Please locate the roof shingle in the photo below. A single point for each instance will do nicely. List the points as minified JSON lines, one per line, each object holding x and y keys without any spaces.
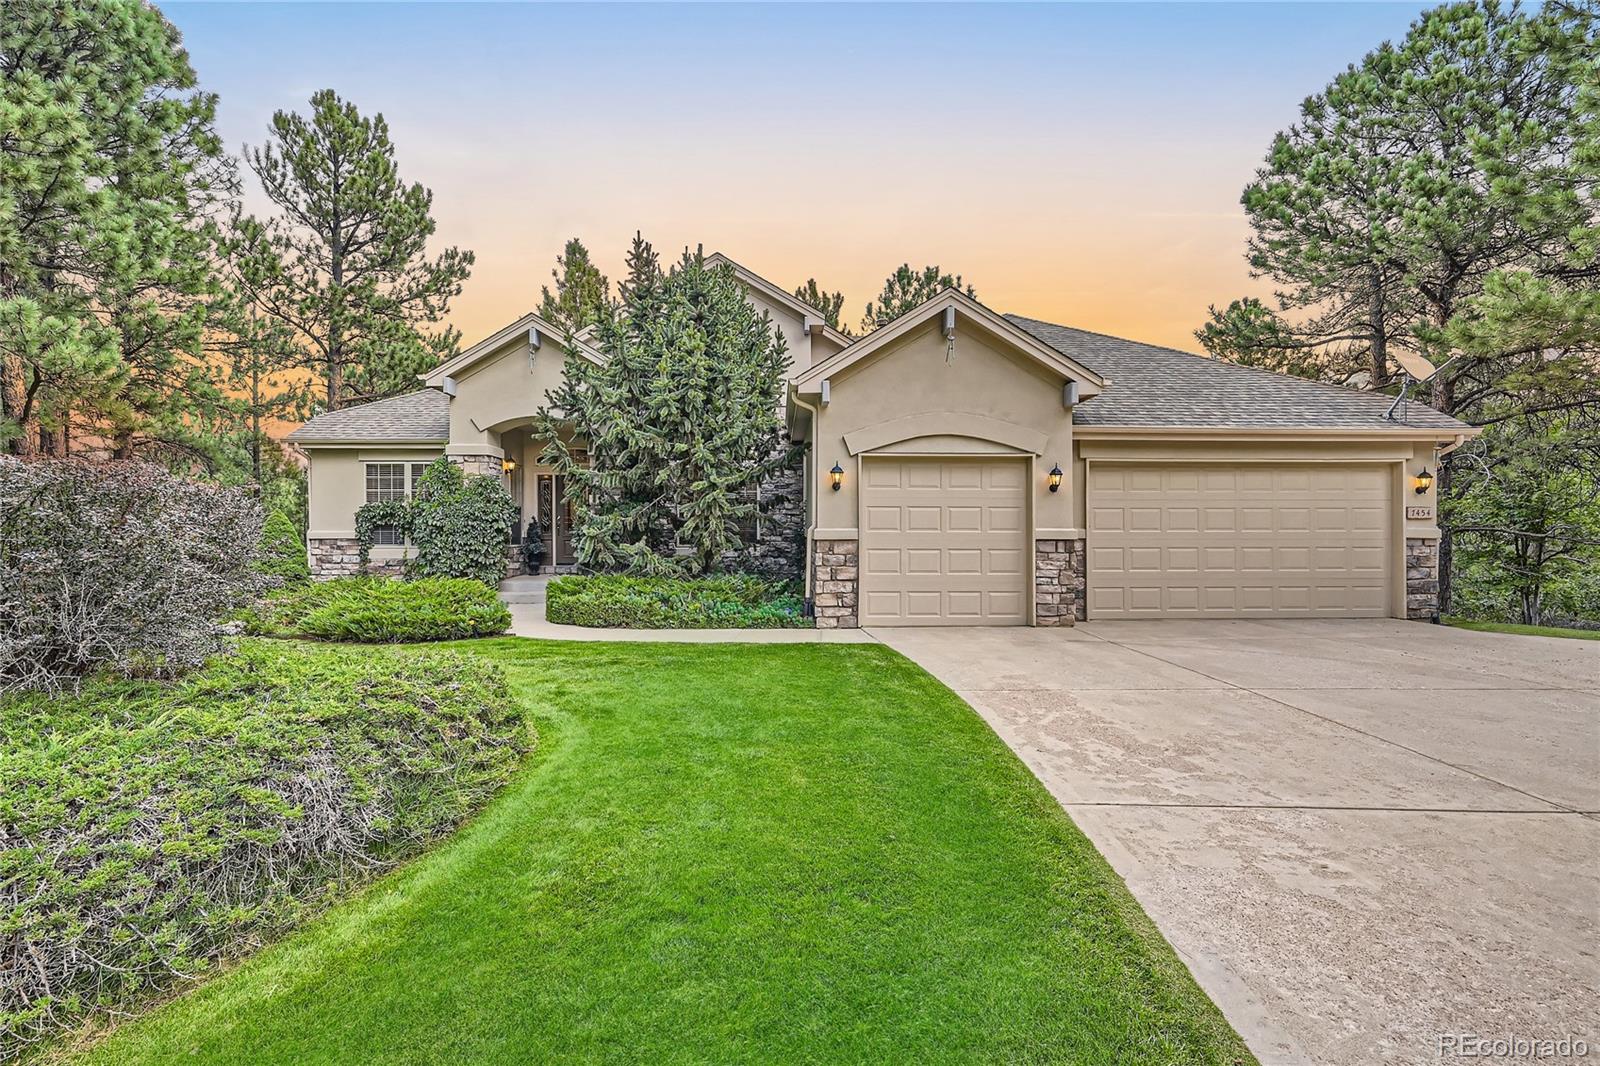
{"x":421,"y":416}
{"x":1154,"y":386}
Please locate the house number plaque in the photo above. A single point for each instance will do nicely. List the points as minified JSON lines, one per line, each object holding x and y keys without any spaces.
{"x":1419,"y":512}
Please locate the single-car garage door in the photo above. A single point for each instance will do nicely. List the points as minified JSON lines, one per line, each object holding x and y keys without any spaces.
{"x":1201,"y":540}
{"x":944,"y":542}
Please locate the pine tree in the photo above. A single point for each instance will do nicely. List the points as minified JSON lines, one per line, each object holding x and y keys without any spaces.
{"x":582,"y":293}
{"x":1437,"y":197}
{"x":906,"y":289}
{"x":829,"y":304}
{"x":345,"y":264}
{"x":95,"y":95}
{"x":680,"y":423}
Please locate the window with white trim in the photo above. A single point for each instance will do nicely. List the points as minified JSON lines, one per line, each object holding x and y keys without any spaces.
{"x":392,"y":481}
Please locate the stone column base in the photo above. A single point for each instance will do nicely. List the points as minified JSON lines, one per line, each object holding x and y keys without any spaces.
{"x":1059,"y":579}
{"x":834,"y":584}
{"x":1422,"y":579}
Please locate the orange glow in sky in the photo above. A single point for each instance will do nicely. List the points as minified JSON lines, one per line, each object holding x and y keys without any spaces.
{"x":1076,"y":163}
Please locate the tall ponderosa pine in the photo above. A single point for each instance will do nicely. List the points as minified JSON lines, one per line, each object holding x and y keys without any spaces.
{"x":345,"y":264}
{"x":830,"y":304}
{"x":1432,"y":198}
{"x":906,"y":289}
{"x":582,"y":293}
{"x":101,"y":135}
{"x":679,"y":425}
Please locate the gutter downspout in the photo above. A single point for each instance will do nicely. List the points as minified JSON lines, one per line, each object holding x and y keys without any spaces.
{"x":810,"y":491}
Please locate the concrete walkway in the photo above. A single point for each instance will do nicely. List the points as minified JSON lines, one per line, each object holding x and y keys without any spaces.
{"x":526,"y":596}
{"x":1362,"y":837}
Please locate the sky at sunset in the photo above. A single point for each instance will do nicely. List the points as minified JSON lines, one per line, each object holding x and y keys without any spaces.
{"x":1076,"y":163}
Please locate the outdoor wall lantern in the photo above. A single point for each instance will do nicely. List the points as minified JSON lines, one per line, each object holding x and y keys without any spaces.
{"x":1055,"y":478}
{"x":1423,"y":481}
{"x":836,"y":475}
{"x":508,"y":465}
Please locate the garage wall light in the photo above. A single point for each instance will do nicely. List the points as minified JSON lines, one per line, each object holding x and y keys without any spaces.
{"x":1423,"y":481}
{"x":836,"y":476}
{"x":1055,"y":478}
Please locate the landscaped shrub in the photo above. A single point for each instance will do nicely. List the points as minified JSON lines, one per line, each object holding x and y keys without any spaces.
{"x":731,"y":602}
{"x":375,"y":610}
{"x":460,"y":526}
{"x":116,"y":565}
{"x":283,"y":556}
{"x":149,"y":829}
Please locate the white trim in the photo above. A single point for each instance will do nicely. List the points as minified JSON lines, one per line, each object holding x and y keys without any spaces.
{"x":497,"y":340}
{"x":1058,"y":534}
{"x":945,"y":424}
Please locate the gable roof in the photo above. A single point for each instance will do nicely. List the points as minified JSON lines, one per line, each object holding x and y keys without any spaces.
{"x":1155,"y":387}
{"x":421,"y":417}
{"x":772,"y":292}
{"x":1042,"y":352}
{"x":491,"y":344}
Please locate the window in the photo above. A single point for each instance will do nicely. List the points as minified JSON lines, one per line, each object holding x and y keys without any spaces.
{"x":391,"y":481}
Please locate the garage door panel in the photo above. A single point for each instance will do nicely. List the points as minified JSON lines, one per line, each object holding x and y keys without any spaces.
{"x":1214,"y":540}
{"x":955,"y":552}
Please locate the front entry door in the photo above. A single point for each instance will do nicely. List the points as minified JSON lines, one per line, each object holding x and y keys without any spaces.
{"x":555,"y":518}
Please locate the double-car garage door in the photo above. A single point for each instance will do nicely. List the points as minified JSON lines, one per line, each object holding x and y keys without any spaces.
{"x":1189,"y":540}
{"x":948,"y":541}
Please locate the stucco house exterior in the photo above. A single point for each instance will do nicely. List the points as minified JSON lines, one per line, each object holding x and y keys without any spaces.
{"x":963,"y":467}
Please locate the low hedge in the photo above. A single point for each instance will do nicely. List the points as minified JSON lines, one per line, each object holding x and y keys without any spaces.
{"x":377,"y":610}
{"x":149,"y":830}
{"x":731,"y":602}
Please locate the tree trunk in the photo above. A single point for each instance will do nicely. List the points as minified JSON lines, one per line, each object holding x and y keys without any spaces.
{"x":14,"y":403}
{"x":1380,"y":332}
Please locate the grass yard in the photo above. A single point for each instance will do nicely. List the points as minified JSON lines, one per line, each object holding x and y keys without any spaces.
{"x":1525,"y":631}
{"x":699,"y":864}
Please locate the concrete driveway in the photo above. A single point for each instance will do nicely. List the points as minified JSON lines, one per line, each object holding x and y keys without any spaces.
{"x":1361,"y":836}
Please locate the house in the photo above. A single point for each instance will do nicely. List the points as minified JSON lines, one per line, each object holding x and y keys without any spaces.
{"x":964,"y":467}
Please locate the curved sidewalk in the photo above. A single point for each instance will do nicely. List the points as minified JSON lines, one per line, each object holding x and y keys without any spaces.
{"x":525,"y":597}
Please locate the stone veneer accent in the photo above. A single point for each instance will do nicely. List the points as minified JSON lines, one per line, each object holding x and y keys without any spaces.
{"x":834,"y":584}
{"x":1422,"y":578}
{"x":479,"y":464}
{"x":1059,"y":580}
{"x":341,"y":557}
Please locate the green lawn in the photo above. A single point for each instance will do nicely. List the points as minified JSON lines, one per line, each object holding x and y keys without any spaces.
{"x":1526,"y":631}
{"x":700,"y":864}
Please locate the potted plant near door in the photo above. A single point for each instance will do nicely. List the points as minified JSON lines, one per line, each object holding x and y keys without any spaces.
{"x":533,"y":546}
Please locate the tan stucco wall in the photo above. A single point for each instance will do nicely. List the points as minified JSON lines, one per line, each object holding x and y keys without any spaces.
{"x":793,"y":329}
{"x":337,"y":486}
{"x":501,"y":391}
{"x":984,"y":384}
